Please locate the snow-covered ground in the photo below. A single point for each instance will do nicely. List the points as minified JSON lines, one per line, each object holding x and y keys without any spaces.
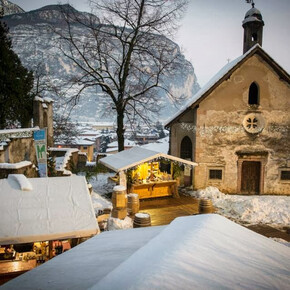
{"x":100,"y":183}
{"x":99,"y":202}
{"x":117,"y":224}
{"x":101,"y":187}
{"x":263,"y":209}
{"x":272,"y":210}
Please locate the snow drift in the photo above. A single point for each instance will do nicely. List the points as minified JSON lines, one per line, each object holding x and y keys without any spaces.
{"x":252,"y":209}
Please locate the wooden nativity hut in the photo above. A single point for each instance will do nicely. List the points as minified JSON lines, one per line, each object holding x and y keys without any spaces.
{"x":148,"y":173}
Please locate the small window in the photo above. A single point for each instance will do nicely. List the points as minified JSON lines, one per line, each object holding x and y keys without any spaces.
{"x":85,"y":147}
{"x":254,"y":37}
{"x":285,"y":175}
{"x":215,"y":174}
{"x":253,"y":94}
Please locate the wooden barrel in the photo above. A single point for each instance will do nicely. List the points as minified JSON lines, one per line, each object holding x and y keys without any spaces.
{"x":205,"y":206}
{"x":119,"y":197}
{"x":142,"y":220}
{"x":119,"y":213}
{"x":133,"y":203}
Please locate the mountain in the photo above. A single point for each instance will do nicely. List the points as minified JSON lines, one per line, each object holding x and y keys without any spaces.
{"x":35,"y":44}
{"x":10,"y":8}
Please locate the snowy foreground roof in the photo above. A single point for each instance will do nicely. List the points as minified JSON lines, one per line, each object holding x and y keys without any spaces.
{"x":130,"y":158}
{"x":196,"y":252}
{"x":40,"y":209}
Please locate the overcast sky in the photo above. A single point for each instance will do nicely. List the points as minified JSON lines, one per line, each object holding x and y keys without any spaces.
{"x":211,"y":32}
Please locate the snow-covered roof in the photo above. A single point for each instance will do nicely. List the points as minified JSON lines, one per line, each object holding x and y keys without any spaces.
{"x":161,"y":145}
{"x":147,"y":135}
{"x":103,"y":124}
{"x":15,"y":165}
{"x":48,"y":100}
{"x":227,"y":69}
{"x":132,"y":157}
{"x":18,"y":130}
{"x":112,"y":149}
{"x":45,"y":99}
{"x":82,"y":142}
{"x":52,"y":208}
{"x":194,"y":252}
{"x":78,"y":141}
{"x":91,"y":133}
{"x":71,"y":150}
{"x":126,"y":143}
{"x":253,"y":15}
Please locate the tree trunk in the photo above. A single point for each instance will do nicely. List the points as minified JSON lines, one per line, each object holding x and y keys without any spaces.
{"x":120,"y":130}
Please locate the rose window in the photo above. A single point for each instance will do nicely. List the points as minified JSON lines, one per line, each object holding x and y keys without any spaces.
{"x":253,"y":123}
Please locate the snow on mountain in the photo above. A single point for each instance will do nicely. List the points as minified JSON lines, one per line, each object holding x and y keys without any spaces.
{"x":36,"y":45}
{"x":10,"y":8}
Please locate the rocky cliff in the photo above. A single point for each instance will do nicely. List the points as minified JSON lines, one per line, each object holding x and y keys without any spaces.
{"x":35,"y":44}
{"x":10,"y":8}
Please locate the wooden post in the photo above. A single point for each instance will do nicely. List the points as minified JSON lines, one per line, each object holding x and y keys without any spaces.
{"x":123,"y":178}
{"x":50,"y":248}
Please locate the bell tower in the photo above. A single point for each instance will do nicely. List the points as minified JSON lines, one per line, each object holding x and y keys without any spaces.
{"x":253,"y":28}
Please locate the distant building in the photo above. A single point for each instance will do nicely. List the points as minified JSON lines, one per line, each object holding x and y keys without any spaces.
{"x":83,"y":145}
{"x":143,"y":138}
{"x":112,"y":147}
{"x":103,"y":126}
{"x":237,"y":126}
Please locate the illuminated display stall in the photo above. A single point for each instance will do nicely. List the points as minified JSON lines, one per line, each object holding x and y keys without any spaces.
{"x":147,"y":173}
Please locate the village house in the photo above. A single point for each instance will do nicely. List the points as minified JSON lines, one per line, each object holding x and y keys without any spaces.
{"x":112,"y":148}
{"x":17,"y":151}
{"x":83,"y":145}
{"x":17,"y":146}
{"x":237,"y":126}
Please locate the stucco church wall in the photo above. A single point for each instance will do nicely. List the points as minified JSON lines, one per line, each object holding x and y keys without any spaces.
{"x":181,"y":129}
{"x":220,"y":134}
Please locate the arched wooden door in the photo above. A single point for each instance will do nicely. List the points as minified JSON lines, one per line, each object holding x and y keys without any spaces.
{"x":186,"y":148}
{"x":186,"y":153}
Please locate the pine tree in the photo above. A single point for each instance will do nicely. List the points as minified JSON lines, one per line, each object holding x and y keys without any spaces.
{"x":51,"y":166}
{"x":16,"y":83}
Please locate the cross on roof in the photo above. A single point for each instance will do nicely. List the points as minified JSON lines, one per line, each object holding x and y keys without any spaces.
{"x":251,"y":1}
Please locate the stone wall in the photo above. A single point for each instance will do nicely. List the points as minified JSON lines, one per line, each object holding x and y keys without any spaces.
{"x":21,"y":149}
{"x":28,"y":171}
{"x":185,"y":127}
{"x":17,"y":150}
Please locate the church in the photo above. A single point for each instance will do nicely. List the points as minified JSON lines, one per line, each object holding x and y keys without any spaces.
{"x":237,"y":126}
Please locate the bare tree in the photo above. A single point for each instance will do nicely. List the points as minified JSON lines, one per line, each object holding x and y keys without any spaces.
{"x":124,"y":52}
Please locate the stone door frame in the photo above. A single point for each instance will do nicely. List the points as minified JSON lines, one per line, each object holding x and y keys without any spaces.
{"x":262,"y":158}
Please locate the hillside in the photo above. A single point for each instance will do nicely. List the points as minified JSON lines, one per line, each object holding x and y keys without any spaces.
{"x":10,"y":8}
{"x":36,"y":45}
